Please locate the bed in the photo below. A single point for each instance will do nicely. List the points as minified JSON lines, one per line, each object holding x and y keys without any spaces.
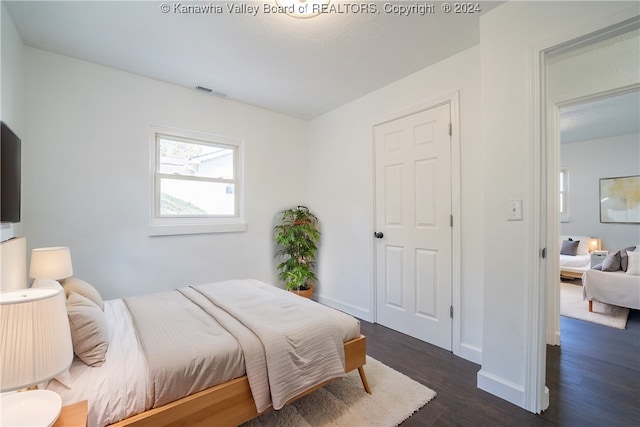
{"x":611,"y":287}
{"x":575,"y":258}
{"x":271,"y":347}
{"x":616,"y":280}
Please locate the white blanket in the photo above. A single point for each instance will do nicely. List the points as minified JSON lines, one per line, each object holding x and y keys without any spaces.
{"x":185,"y":349}
{"x":302,"y":340}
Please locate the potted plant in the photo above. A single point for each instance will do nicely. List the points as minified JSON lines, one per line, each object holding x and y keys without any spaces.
{"x":297,"y":236}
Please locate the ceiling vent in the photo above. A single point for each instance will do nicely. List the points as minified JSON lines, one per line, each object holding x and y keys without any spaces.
{"x":211,"y":91}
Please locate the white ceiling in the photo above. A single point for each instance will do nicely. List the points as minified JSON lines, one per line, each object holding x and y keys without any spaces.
{"x":300,"y":67}
{"x":600,"y":118}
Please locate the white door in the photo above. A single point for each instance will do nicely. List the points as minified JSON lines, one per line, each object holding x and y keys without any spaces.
{"x":413,"y":220}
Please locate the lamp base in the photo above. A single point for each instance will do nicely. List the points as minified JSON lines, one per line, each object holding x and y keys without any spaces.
{"x":30,"y":408}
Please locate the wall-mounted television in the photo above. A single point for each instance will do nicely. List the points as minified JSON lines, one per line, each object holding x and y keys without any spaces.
{"x":9,"y":176}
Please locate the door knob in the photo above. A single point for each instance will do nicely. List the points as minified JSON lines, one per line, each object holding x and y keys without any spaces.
{"x":378,"y":235}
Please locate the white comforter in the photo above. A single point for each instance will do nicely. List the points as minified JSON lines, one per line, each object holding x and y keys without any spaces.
{"x":302,"y":340}
{"x":282,"y":356}
{"x":612,"y":287}
{"x":117,"y":389}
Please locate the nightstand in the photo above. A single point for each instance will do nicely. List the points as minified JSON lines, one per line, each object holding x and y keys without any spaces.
{"x":597,"y":257}
{"x":74,"y":415}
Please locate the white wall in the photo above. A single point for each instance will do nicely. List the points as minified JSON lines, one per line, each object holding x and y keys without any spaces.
{"x":341,"y":189}
{"x":11,"y":90}
{"x":508,"y":34}
{"x":588,"y":161}
{"x":86,"y":176}
{"x":595,"y":68}
{"x":11,"y":72}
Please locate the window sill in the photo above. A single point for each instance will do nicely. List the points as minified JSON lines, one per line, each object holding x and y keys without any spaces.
{"x":183,"y":229}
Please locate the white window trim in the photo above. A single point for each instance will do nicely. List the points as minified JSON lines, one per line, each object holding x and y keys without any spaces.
{"x":564,"y":216}
{"x":170,"y":226}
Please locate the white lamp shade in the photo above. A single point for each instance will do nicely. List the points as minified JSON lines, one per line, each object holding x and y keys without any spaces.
{"x":35,"y":340}
{"x":51,"y":263}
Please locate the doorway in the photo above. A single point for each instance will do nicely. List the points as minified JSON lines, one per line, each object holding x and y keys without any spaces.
{"x":598,"y":78}
{"x":594,"y":108}
{"x":598,"y":139}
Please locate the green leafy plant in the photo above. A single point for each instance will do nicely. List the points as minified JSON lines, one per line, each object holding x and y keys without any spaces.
{"x":297,"y":236}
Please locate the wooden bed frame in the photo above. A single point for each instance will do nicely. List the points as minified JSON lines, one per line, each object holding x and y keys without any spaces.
{"x":571,"y":274}
{"x":231,"y":403}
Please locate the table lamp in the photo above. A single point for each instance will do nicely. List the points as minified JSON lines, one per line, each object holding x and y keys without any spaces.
{"x":51,"y":263}
{"x":35,"y":346}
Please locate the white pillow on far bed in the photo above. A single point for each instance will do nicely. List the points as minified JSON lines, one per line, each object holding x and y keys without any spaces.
{"x":633,"y":263}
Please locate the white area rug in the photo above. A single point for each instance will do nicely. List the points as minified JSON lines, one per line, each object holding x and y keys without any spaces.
{"x":345,"y":403}
{"x":572,"y":305}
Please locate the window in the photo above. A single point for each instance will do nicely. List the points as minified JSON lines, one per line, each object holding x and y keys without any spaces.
{"x":564,"y":194}
{"x":196,"y":183}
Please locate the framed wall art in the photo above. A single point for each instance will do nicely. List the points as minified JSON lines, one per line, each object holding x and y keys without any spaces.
{"x":620,"y":200}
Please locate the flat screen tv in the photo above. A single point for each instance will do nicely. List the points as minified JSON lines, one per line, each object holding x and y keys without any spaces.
{"x":9,"y":176}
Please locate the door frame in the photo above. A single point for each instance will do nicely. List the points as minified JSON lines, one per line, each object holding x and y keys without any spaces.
{"x":453,"y":99}
{"x":544,"y":216}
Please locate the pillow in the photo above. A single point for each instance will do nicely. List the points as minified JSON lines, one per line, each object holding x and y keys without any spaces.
{"x":611,"y":262}
{"x":634,"y":263}
{"x":89,"y":329}
{"x":583,"y":243}
{"x":597,"y":267}
{"x":623,"y":257}
{"x":73,"y":284}
{"x":583,"y":247}
{"x":569,"y":247}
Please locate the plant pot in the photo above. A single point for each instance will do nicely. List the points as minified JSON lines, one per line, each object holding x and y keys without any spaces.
{"x":307,"y":293}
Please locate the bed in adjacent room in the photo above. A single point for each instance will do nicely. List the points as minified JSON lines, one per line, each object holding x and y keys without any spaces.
{"x":616,"y":280}
{"x":213,"y":354}
{"x":574,"y":255}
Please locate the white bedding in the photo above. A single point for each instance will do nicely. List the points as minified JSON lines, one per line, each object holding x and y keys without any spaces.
{"x":612,"y":287}
{"x":302,"y":340}
{"x":121,"y":387}
{"x":117,"y":389}
{"x":576,"y":263}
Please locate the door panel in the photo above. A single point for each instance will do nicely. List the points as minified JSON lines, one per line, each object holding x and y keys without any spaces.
{"x":394,"y":267}
{"x":413,"y":209}
{"x":426,"y":280}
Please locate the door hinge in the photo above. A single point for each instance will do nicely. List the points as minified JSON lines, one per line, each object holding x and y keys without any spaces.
{"x":450,"y":129}
{"x":451,"y":220}
{"x":451,"y":311}
{"x":543,"y":253}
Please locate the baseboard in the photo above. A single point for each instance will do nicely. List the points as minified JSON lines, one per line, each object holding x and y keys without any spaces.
{"x":471,"y":353}
{"x":353,"y":310}
{"x":504,"y":389}
{"x":545,"y":403}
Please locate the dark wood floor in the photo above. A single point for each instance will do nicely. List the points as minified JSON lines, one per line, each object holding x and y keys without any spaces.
{"x":593,"y":378}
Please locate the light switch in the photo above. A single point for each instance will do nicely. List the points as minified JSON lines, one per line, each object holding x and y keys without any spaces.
{"x":514,"y":210}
